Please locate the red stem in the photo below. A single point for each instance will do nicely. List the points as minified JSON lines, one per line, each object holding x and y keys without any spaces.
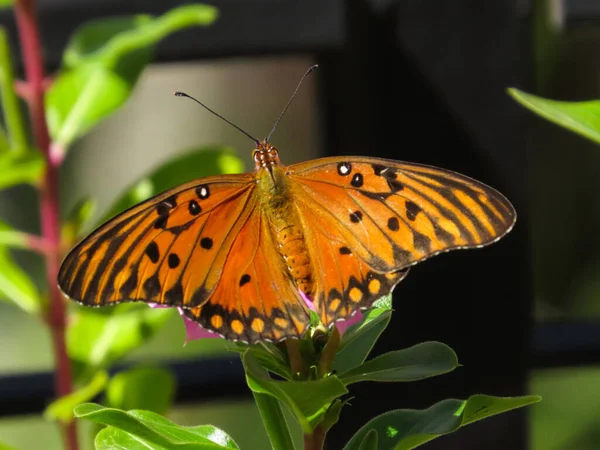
{"x":31,"y":51}
{"x":316,"y":440}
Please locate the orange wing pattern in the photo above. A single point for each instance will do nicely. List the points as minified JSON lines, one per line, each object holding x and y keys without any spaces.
{"x":165,"y":250}
{"x":255,"y":300}
{"x":376,"y":217}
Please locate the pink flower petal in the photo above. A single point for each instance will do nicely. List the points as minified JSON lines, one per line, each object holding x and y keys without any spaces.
{"x":193,"y":330}
{"x":342,"y":325}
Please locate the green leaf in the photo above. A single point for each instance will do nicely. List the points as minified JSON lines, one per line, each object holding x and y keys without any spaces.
{"x":405,"y":429}
{"x":77,"y":220}
{"x":274,"y":421}
{"x":17,"y":168}
{"x":97,"y":338}
{"x":359,"y":339}
{"x":187,"y":167}
{"x":111,"y":438}
{"x":15,"y":284}
{"x":6,"y":447}
{"x":6,"y":4}
{"x":152,"y":429}
{"x":103,"y":61}
{"x":308,"y":400}
{"x":268,"y":355}
{"x":421,"y":361}
{"x":370,"y":442}
{"x":580,"y":117}
{"x":13,"y":114}
{"x":62,"y":409}
{"x":146,"y":388}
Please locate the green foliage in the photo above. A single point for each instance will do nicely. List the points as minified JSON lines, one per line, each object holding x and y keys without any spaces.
{"x":103,"y":61}
{"x":144,"y":429}
{"x":405,"y":429}
{"x":415,"y":363}
{"x":17,"y":168}
{"x":149,"y":388}
{"x":62,"y":409}
{"x":308,"y":409}
{"x":580,"y":117}
{"x":98,"y":338}
{"x":359,"y":339}
{"x":15,"y":284}
{"x":17,"y":136}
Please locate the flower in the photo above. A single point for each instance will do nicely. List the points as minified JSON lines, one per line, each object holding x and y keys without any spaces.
{"x":194,"y":331}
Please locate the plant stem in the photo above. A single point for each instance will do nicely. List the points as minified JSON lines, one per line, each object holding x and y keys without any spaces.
{"x":315,"y":440}
{"x":31,"y":51}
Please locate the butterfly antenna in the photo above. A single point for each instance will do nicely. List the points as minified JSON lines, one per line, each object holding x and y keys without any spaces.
{"x":310,"y":69}
{"x":183,"y":94}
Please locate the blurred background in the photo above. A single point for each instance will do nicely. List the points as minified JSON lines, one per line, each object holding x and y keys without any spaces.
{"x":421,"y":81}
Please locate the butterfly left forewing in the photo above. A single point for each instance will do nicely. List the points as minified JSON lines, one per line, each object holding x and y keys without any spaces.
{"x":143,"y":253}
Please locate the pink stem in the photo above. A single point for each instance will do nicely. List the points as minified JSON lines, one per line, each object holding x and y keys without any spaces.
{"x":31,"y":50}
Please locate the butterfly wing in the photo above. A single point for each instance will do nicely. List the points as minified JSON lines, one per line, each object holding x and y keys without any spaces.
{"x":381,"y":216}
{"x":203,"y":243}
{"x":169,"y":249}
{"x":255,"y":299}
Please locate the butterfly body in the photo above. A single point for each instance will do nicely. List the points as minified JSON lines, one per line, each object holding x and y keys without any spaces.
{"x":238,"y":251}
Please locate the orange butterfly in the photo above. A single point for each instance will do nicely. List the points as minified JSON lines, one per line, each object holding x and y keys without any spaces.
{"x":234,"y":251}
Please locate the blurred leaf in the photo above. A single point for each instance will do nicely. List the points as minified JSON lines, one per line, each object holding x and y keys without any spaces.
{"x":581,"y":117}
{"x":187,"y":167}
{"x":103,"y":60}
{"x":146,"y":388}
{"x":268,"y":355}
{"x":308,"y":400}
{"x":17,"y":168}
{"x":96,"y":339}
{"x":423,"y":360}
{"x":77,"y":220}
{"x":6,"y":447}
{"x":12,"y":113}
{"x":15,"y":284}
{"x":274,"y":421}
{"x":359,"y":339}
{"x":6,"y":4}
{"x":405,"y":429}
{"x":153,"y":430}
{"x":370,"y":442}
{"x":62,"y":409}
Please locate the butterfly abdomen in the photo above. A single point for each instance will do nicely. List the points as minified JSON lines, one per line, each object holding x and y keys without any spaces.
{"x":295,"y":254}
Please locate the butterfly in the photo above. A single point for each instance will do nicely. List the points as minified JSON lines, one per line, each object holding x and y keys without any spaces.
{"x":239,"y":252}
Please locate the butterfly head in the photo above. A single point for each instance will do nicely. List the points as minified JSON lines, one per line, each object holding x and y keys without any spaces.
{"x":265,"y":156}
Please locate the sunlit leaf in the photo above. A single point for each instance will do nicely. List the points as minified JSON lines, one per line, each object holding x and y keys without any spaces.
{"x":97,"y":338}
{"x":146,"y":388}
{"x":18,"y":168}
{"x":62,"y":409}
{"x":15,"y":284}
{"x":404,"y":429}
{"x":102,"y":63}
{"x":152,"y":429}
{"x":423,"y":360}
{"x":580,"y":117}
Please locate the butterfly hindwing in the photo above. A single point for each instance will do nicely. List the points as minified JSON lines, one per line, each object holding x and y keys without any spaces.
{"x":255,"y":299}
